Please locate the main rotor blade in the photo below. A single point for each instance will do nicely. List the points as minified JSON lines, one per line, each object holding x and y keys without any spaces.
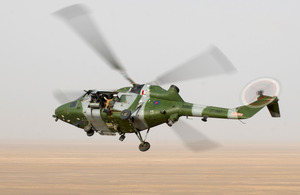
{"x":60,"y":96}
{"x":193,"y":139}
{"x":209,"y":63}
{"x":76,"y":16}
{"x":64,"y":97}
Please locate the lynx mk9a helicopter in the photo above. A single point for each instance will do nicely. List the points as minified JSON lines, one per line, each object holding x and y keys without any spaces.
{"x":143,"y":106}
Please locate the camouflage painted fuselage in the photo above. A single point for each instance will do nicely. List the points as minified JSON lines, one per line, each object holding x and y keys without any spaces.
{"x":149,"y":105}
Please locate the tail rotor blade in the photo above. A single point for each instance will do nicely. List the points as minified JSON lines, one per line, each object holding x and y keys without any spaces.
{"x":193,"y":139}
{"x":77,"y":17}
{"x":210,"y":63}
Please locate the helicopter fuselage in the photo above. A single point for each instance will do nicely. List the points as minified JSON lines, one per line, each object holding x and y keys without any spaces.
{"x":146,"y":106}
{"x":132,"y":109}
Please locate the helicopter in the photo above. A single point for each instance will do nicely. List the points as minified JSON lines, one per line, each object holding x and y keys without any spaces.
{"x":141,"y":107}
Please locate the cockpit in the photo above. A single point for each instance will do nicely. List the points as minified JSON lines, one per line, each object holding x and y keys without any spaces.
{"x":100,"y":99}
{"x":109,"y":100}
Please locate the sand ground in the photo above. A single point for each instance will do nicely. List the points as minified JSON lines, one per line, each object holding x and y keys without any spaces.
{"x":107,"y":168}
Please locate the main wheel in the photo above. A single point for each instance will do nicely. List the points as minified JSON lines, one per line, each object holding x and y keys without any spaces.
{"x":144,"y":146}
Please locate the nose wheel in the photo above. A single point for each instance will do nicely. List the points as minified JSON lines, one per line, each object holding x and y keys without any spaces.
{"x":144,"y":146}
{"x":90,"y":133}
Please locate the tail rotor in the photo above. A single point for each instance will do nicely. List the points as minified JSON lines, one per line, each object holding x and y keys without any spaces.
{"x":260,"y":88}
{"x":262,"y":92}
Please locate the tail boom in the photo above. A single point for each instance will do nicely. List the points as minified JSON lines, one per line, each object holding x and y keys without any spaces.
{"x":242,"y":112}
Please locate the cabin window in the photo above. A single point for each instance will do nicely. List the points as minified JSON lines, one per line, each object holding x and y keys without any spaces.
{"x":123,"y":98}
{"x":73,"y":104}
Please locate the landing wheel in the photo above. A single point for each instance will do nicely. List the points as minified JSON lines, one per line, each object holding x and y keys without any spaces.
{"x":122,"y":137}
{"x":144,"y":146}
{"x":90,"y":133}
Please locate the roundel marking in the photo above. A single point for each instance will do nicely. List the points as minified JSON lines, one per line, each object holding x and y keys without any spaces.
{"x":156,"y":102}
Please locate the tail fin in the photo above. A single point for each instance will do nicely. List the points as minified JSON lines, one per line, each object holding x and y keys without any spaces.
{"x":274,"y":109}
{"x":248,"y":111}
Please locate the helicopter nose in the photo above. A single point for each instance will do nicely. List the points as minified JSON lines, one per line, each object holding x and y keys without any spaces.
{"x":61,"y":111}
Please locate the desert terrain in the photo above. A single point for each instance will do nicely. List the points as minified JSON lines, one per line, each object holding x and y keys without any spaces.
{"x":119,"y":168}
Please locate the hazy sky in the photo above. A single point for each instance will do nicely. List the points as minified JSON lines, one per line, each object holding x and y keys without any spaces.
{"x":39,"y":53}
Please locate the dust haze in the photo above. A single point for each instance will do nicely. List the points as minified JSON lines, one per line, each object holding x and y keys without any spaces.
{"x":103,"y":168}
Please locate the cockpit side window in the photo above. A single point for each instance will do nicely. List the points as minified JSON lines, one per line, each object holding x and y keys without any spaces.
{"x":125,"y":101}
{"x":123,"y":98}
{"x":73,"y":104}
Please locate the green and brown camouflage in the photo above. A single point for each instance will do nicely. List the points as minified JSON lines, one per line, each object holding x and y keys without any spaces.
{"x":141,"y":107}
{"x":148,"y":106}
